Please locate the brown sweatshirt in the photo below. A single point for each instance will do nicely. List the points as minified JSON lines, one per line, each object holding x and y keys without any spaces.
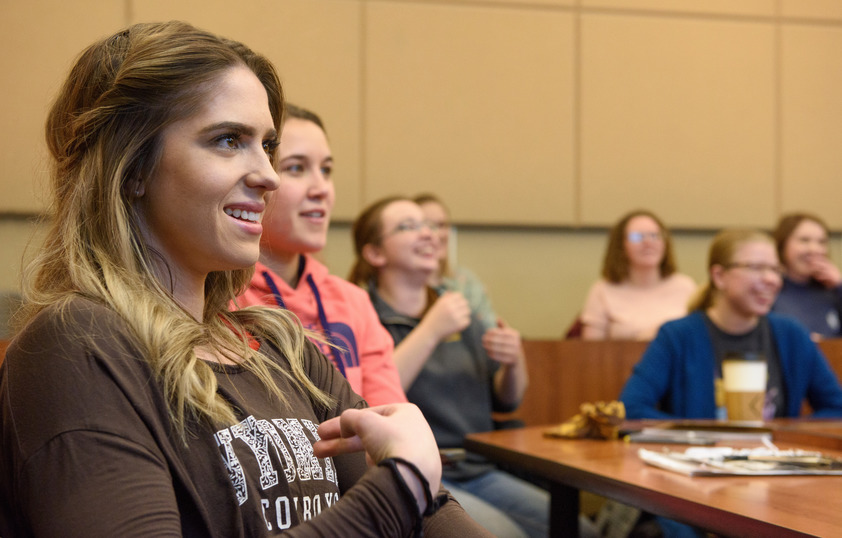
{"x":88,"y":448}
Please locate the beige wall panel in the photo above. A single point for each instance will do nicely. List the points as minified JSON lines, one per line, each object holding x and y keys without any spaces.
{"x":518,"y":3}
{"x":677,"y":116}
{"x":537,"y":279}
{"x":691,"y":253}
{"x":719,"y":7}
{"x":315,"y":44}
{"x":475,"y":104}
{"x":20,"y":238}
{"x":820,"y":9}
{"x":542,"y":299}
{"x":811,"y":95}
{"x":39,"y":41}
{"x":338,"y":255}
{"x":539,"y":299}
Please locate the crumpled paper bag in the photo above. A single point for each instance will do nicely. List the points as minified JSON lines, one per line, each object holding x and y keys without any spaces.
{"x":598,"y":420}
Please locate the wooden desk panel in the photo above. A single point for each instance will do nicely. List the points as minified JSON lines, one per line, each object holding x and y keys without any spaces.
{"x":730,"y":506}
{"x":823,"y":434}
{"x":565,"y":373}
{"x":832,"y":349}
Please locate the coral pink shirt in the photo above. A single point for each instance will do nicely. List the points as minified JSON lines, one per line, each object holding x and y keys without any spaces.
{"x":352,"y":322}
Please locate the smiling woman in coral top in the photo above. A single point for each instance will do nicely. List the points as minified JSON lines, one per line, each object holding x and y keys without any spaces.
{"x":289,"y":277}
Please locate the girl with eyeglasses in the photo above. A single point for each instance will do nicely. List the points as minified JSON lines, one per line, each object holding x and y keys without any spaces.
{"x":455,"y":277}
{"x":812,"y":285}
{"x":455,"y":370}
{"x":289,"y":277}
{"x":678,"y":375}
{"x":640,"y":287}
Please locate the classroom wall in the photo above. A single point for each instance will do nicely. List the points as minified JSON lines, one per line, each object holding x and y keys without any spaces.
{"x":538,"y":121}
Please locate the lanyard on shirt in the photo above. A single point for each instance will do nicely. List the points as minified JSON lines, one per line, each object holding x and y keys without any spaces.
{"x":334,"y":344}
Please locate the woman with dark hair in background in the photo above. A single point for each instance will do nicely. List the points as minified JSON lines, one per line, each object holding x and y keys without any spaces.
{"x":812,"y":286}
{"x":640,"y":288}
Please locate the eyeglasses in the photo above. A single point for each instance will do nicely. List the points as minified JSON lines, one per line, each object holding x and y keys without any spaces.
{"x":411,"y":225}
{"x":757,"y":268}
{"x":638,"y":237}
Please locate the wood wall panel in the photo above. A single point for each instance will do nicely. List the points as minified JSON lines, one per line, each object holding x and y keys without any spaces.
{"x":717,"y":7}
{"x":819,"y":9}
{"x":678,"y":116}
{"x":474,"y":103}
{"x":520,"y":3}
{"x":39,"y":40}
{"x":316,"y":47}
{"x":537,"y":279}
{"x":559,"y":112}
{"x":811,"y":120}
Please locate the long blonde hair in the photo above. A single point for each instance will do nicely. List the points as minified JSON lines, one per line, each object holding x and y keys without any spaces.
{"x":104,"y":136}
{"x":722,"y":250}
{"x":430,"y":198}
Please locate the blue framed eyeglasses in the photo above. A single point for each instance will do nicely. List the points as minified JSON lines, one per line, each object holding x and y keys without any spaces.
{"x":411,"y":225}
{"x":757,"y":268}
{"x":639,"y":237}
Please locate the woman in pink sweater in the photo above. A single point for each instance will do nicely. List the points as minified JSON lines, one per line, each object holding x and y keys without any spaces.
{"x":640,"y":288}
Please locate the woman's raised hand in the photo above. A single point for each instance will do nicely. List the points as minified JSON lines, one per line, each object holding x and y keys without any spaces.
{"x":450,"y":314}
{"x":503,"y":344}
{"x":825,"y":272}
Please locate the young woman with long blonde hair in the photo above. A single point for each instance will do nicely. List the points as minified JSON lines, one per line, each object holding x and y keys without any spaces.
{"x":132,"y":402}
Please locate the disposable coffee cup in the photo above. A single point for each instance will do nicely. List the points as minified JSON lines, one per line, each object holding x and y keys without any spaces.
{"x":744,"y":383}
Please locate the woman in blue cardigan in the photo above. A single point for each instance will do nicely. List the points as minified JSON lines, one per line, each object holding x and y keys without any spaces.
{"x":679,"y":373}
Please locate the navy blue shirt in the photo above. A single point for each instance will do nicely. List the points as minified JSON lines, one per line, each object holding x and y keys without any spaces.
{"x":816,"y":307}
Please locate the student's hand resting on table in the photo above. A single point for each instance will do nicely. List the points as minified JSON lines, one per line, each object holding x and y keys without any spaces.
{"x":386,"y":431}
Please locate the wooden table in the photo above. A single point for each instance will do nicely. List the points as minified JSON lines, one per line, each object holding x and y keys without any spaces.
{"x":729,"y":506}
